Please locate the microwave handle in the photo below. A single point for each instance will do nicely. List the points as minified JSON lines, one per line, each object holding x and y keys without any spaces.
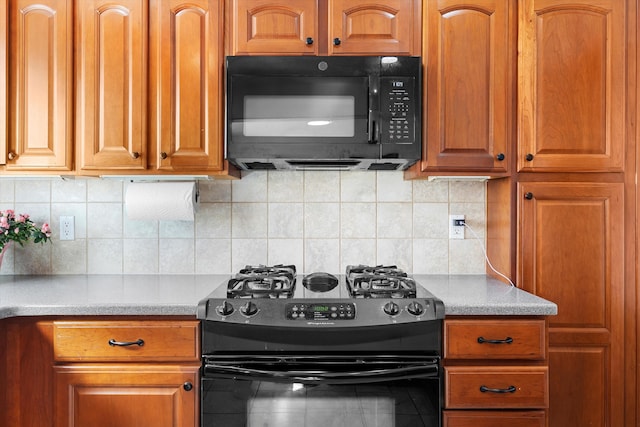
{"x":374,"y":129}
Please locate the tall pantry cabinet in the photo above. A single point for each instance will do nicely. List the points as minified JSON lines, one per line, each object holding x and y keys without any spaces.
{"x":570,"y":194}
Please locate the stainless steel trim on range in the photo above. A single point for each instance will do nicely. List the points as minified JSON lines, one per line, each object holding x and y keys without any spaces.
{"x":303,"y":112}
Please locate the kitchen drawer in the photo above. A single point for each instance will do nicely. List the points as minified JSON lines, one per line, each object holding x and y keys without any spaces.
{"x":493,"y":419}
{"x":495,"y":339}
{"x":167,"y":341}
{"x":485,"y":387}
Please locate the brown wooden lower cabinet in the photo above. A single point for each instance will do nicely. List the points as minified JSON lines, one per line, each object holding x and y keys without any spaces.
{"x":507,"y":387}
{"x":493,"y":419}
{"x":125,"y":395}
{"x":496,"y":371}
{"x":92,"y":372}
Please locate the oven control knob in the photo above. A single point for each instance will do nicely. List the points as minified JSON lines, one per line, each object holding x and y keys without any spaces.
{"x":391,"y":308}
{"x":249,"y":309}
{"x":415,"y":308}
{"x":225,"y":309}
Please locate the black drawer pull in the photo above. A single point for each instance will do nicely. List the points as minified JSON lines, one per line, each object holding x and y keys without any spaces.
{"x":507,"y":340}
{"x":510,"y":389}
{"x":114,"y":343}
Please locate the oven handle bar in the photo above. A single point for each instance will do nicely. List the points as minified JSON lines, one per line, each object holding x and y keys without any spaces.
{"x":322,"y":377}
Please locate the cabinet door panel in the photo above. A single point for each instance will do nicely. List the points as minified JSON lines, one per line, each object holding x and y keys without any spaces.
{"x":571,"y":252}
{"x":40,"y":88}
{"x":572,"y":85}
{"x":126,"y":395}
{"x":4,"y":101}
{"x":374,"y":28}
{"x":268,"y":27}
{"x":112,"y":68}
{"x":469,"y":49}
{"x":186,"y":85}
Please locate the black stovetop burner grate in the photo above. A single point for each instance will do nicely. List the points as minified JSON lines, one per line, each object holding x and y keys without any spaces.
{"x":262,"y":281}
{"x":379,"y":281}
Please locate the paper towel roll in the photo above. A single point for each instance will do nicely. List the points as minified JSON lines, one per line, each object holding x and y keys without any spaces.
{"x":161,"y":200}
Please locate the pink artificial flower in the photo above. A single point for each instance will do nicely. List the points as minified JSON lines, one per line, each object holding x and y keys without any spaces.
{"x":22,"y":218}
{"x":17,"y":230}
{"x":4,"y":223}
{"x":46,"y":230}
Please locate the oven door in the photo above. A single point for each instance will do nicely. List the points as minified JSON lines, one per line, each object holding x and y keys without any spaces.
{"x":308,"y":391}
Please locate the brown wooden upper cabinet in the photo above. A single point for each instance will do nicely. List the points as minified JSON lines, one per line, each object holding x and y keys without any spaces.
{"x":324,"y":27}
{"x":571,"y":92}
{"x":469,"y":52}
{"x":111,"y":38}
{"x":149,"y":86}
{"x":36,"y":85}
{"x":186,"y":85}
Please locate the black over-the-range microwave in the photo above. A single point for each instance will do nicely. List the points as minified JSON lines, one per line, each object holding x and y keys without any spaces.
{"x":323,"y":113}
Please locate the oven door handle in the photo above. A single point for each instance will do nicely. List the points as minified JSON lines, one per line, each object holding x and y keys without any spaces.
{"x":322,"y":377}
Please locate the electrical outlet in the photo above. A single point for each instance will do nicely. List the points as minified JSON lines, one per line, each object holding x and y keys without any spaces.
{"x":456,"y":231}
{"x":67,"y":229}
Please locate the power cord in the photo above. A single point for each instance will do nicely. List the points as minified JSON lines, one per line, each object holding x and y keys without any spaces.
{"x":486,"y":257}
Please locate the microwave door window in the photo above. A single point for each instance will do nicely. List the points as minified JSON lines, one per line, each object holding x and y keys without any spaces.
{"x":293,"y":116}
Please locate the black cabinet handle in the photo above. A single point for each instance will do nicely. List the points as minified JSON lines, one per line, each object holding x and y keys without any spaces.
{"x":500,"y":157}
{"x":309,"y":41}
{"x":187,"y":386}
{"x":528,"y":195}
{"x":507,"y":340}
{"x":529,"y":157}
{"x":337,"y":41}
{"x":114,"y":343}
{"x":135,"y":155}
{"x":510,"y":389}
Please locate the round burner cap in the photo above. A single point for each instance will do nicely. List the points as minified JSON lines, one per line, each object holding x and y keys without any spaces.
{"x":320,"y":282}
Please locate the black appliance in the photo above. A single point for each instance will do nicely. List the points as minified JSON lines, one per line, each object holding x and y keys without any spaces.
{"x":355,"y":350}
{"x":335,"y":112}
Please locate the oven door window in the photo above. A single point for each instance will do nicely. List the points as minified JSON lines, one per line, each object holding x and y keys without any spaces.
{"x":296,"y":109}
{"x":410,"y":403}
{"x":374,"y":395}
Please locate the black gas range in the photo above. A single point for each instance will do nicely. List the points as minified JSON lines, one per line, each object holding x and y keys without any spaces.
{"x":368,"y":342}
{"x":363,"y":296}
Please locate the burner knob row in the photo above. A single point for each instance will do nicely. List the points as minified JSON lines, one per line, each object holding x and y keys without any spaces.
{"x":248,"y":309}
{"x":415,"y":308}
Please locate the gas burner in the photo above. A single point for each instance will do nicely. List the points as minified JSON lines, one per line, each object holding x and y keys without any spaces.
{"x":379,"y":282}
{"x":261,"y":281}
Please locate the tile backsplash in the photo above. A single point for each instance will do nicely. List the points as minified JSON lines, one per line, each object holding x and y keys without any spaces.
{"x":317,"y":220}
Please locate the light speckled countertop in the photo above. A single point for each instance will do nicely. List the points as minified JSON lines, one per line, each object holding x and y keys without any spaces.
{"x":178,"y":295}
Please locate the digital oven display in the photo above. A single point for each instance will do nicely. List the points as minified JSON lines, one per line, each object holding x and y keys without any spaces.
{"x":320,"y":311}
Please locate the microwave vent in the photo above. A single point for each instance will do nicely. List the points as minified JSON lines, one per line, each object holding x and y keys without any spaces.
{"x":260,"y":166}
{"x":383,"y":166}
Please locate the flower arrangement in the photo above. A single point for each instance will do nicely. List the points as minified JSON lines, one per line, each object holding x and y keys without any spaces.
{"x":19,"y":228}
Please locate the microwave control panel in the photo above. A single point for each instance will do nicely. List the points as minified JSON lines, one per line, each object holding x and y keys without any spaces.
{"x":398,"y":111}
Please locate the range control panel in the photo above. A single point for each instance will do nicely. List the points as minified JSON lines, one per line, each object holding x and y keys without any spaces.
{"x":320,"y":311}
